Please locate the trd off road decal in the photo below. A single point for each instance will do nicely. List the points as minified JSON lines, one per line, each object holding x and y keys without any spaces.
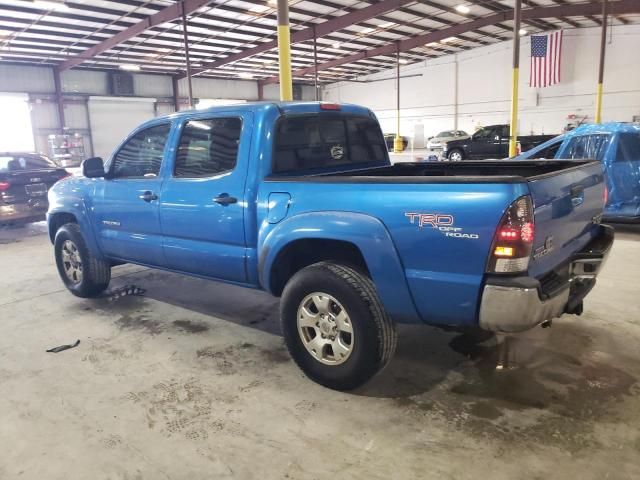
{"x":443,"y":223}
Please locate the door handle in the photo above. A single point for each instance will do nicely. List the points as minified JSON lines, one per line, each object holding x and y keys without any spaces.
{"x":225,"y":199}
{"x":148,"y":196}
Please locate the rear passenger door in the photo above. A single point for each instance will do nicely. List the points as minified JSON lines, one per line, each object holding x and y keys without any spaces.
{"x":202,"y":204}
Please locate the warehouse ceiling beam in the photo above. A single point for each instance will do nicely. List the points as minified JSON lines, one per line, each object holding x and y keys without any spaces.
{"x":320,"y":30}
{"x":619,"y":7}
{"x":165,"y":15}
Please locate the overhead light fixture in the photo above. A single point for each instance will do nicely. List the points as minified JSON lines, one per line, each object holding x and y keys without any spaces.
{"x":273,"y":3}
{"x":387,"y":25}
{"x":403,"y":61}
{"x":463,"y":9}
{"x":449,"y":39}
{"x":432,"y":44}
{"x":245,"y":75}
{"x":523,"y":31}
{"x":259,"y":9}
{"x":364,"y":31}
{"x":59,"y":6}
{"x":130,"y":68}
{"x":336,"y":45}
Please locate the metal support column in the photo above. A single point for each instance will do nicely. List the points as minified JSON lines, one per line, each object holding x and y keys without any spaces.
{"x":603,"y":47}
{"x":315,"y":64}
{"x":513,"y":128}
{"x":57,"y":82}
{"x":456,"y":89}
{"x":284,"y":51}
{"x":397,"y":142}
{"x":176,"y":97}
{"x":260,"y":91}
{"x":186,"y":53}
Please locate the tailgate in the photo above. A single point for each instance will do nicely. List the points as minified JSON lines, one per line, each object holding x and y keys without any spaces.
{"x":567,"y":207}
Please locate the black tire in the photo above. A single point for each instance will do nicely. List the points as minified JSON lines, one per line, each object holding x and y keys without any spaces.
{"x":455,"y":151}
{"x":96,"y":273}
{"x":374,"y":333}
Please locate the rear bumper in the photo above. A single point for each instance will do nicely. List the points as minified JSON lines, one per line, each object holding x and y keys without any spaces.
{"x":517,"y":304}
{"x":23,"y":212}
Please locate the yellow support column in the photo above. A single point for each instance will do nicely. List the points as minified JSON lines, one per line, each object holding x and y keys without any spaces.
{"x":513,"y":122}
{"x":603,"y":45}
{"x":284,"y":51}
{"x":397,"y":141}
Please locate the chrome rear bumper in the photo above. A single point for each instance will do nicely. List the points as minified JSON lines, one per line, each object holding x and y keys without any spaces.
{"x":517,"y":304}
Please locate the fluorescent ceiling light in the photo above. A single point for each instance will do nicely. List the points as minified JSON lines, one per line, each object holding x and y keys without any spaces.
{"x":403,"y":61}
{"x":259,"y":8}
{"x":387,"y":25}
{"x":245,"y":75}
{"x":364,"y":31}
{"x":129,"y":67}
{"x":51,"y":5}
{"x":523,"y":31}
{"x":449,"y":39}
{"x":432,"y":44}
{"x":463,"y":9}
{"x":336,"y":45}
{"x":273,"y":3}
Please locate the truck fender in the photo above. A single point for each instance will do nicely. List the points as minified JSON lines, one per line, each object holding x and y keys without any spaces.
{"x":367,"y":233}
{"x":73,"y":206}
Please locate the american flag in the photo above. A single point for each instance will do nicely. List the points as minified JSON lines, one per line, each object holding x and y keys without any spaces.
{"x":546,"y":53}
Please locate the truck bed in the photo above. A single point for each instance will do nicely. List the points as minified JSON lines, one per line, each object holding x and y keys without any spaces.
{"x":474,"y":171}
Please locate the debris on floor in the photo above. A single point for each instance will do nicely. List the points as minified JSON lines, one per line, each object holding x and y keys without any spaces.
{"x":62,"y":348}
{"x":125,"y":291}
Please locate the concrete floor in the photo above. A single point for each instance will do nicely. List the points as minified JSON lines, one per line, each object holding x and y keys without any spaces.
{"x":192,"y":381}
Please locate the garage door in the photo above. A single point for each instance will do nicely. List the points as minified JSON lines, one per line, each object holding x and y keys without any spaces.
{"x":113,"y":118}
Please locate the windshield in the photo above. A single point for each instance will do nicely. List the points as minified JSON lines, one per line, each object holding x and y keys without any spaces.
{"x":16,"y":163}
{"x":444,"y":134}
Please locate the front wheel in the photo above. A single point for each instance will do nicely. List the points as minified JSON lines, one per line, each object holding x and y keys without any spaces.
{"x":84,"y":275}
{"x":335,"y":327}
{"x":455,"y":155}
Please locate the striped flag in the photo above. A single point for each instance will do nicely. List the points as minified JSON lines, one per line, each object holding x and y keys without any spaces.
{"x":546,"y":53}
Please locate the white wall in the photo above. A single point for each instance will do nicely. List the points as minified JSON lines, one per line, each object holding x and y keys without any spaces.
{"x":484,"y":83}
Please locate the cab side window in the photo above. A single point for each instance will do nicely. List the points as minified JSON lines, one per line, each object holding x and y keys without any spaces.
{"x":208,"y":147}
{"x":141,"y":156}
{"x":628,"y":148}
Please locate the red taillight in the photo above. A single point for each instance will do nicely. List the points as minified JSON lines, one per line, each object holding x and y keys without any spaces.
{"x":329,"y":106}
{"x":605,"y":196}
{"x":513,"y":241}
{"x":4,"y":186}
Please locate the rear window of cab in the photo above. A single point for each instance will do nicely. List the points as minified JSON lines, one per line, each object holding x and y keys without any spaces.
{"x":305,"y":143}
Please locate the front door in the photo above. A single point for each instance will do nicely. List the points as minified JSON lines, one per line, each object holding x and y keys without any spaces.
{"x":483,"y":144}
{"x":126,"y":201}
{"x":203,"y":201}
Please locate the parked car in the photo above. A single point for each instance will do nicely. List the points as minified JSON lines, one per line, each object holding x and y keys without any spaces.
{"x":437,"y":142}
{"x":25,"y":179}
{"x":488,"y":142}
{"x":301,"y":200}
{"x":617,"y":146}
{"x":389,"y":139}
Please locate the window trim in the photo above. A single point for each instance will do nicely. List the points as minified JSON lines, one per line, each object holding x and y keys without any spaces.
{"x":110,"y":175}
{"x":179,"y":140}
{"x":312,"y":171}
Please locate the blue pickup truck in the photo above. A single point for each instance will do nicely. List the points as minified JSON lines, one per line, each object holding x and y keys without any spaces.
{"x":300,"y":199}
{"x":617,"y":146}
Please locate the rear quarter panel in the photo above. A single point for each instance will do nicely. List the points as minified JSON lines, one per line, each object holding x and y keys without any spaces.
{"x":444,"y":273}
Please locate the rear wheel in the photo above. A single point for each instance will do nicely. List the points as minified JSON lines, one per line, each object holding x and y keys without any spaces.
{"x":335,"y":327}
{"x":455,"y":155}
{"x":84,"y":275}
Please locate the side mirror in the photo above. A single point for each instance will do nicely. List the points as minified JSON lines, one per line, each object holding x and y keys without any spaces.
{"x":93,"y":167}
